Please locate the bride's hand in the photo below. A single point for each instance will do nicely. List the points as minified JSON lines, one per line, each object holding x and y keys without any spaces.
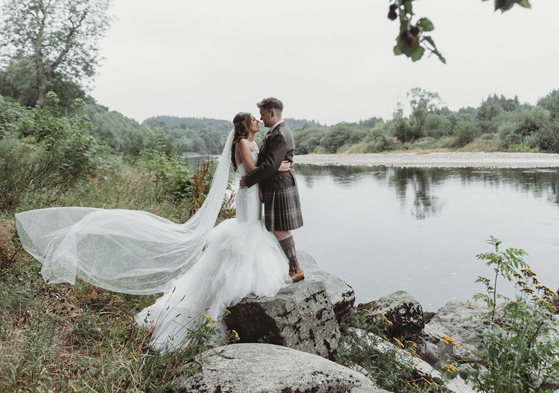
{"x":285,"y":166}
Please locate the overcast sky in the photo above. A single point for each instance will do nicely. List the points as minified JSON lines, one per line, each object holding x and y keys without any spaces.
{"x":327,"y":60}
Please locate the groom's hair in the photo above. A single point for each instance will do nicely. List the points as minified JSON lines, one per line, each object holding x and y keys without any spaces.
{"x":271,"y":103}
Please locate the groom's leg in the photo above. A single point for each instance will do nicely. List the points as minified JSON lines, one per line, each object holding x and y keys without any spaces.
{"x":288,"y":246}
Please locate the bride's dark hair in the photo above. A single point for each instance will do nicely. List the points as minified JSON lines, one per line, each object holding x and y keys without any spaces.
{"x":241,"y":121}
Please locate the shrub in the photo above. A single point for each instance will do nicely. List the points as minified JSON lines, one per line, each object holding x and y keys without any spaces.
{"x":547,"y":136}
{"x":466,"y":132}
{"x":514,"y":128}
{"x":437,"y":126}
{"x":519,"y":351}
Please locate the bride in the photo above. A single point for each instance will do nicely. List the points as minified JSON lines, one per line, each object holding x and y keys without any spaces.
{"x":200,"y":269}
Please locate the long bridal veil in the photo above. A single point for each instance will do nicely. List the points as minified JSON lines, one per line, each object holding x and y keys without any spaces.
{"x":121,"y":250}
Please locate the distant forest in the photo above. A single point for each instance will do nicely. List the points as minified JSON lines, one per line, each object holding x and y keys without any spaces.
{"x":497,"y":124}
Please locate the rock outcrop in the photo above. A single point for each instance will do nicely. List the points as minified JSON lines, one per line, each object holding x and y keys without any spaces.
{"x":449,"y":321}
{"x":259,"y":368}
{"x":300,"y":316}
{"x":402,"y":310}
{"x":341,"y":294}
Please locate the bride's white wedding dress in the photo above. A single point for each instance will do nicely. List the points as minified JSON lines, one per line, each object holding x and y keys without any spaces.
{"x":140,"y":253}
{"x":241,"y":258}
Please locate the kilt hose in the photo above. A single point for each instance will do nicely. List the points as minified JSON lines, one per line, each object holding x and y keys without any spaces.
{"x":282,"y":209}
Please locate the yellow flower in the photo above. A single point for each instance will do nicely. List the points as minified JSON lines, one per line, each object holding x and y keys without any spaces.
{"x":208,"y":325}
{"x":528,"y":272}
{"x":520,"y":282}
{"x":384,"y":317}
{"x":386,"y":338}
{"x":398,"y":342}
{"x":535,"y":280}
{"x":414,"y":345}
{"x":123,"y":365}
{"x":210,"y":319}
{"x":73,"y":388}
{"x":448,"y":340}
{"x":527,"y":289}
{"x":428,"y":382}
{"x":398,"y":367}
{"x":236,"y":334}
{"x":517,"y":275}
{"x":367,"y":311}
{"x":450,"y":368}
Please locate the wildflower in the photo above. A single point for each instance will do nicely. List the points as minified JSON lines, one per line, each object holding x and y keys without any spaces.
{"x":98,"y":330}
{"x":208,"y":325}
{"x":123,"y":365}
{"x":398,"y":342}
{"x":209,"y":318}
{"x":398,"y":367}
{"x":535,"y":280}
{"x":428,"y":382}
{"x":414,"y":345}
{"x":513,"y":302}
{"x":527,"y":290}
{"x":520,"y":282}
{"x":450,"y":368}
{"x":20,"y":279}
{"x":384,"y":317}
{"x":547,"y":290}
{"x":448,"y":340}
{"x":517,"y":275}
{"x":386,"y":338}
{"x":135,"y":358}
{"x":73,"y":388}
{"x":551,"y":306}
{"x":414,"y":384}
{"x":236,"y":334}
{"x":367,"y":311}
{"x":528,"y":272}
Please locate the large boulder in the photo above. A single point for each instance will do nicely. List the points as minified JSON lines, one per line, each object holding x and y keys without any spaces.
{"x":451,"y":321}
{"x":341,"y":294}
{"x":259,"y":368}
{"x":402,"y":310}
{"x":300,"y":316}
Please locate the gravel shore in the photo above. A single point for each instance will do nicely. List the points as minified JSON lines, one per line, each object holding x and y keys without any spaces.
{"x":457,"y":160}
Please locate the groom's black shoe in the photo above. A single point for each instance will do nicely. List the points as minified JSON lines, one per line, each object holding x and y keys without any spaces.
{"x":298,"y":276}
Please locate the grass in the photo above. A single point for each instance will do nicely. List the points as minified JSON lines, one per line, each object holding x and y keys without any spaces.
{"x":83,"y":338}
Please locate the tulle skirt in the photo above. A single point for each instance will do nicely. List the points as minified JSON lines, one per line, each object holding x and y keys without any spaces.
{"x":241,"y":258}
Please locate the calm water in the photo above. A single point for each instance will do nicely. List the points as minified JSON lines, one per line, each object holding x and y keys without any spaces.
{"x":420,"y":229}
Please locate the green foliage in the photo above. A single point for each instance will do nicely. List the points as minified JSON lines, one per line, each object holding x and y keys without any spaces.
{"x":437,"y":126}
{"x":376,"y":140}
{"x":547,"y":136}
{"x":342,"y":134}
{"x":47,"y":44}
{"x":399,"y":128}
{"x":517,"y":128}
{"x":422,"y":102}
{"x":466,"y":132}
{"x":307,"y":140}
{"x":390,"y":366}
{"x":518,"y":351}
{"x":551,"y":103}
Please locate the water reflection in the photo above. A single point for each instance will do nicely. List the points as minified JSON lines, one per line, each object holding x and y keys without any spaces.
{"x":419,"y":229}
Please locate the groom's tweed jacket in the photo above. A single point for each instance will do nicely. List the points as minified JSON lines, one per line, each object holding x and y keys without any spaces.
{"x":278,"y":147}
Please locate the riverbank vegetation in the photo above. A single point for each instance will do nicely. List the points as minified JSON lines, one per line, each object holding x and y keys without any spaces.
{"x":498,"y":124}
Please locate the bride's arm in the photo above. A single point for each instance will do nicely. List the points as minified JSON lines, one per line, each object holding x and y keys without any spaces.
{"x":246,"y":155}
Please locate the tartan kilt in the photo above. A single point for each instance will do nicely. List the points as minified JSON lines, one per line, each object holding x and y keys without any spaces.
{"x":282,"y":209}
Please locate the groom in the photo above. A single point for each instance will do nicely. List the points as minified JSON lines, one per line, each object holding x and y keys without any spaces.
{"x":282,"y":209}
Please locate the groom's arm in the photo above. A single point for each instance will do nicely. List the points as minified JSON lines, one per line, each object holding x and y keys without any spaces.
{"x":277,"y":149}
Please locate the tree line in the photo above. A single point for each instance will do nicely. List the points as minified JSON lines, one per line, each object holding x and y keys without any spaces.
{"x":497,"y":124}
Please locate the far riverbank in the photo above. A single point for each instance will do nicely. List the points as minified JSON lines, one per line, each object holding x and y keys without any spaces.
{"x":429,"y":160}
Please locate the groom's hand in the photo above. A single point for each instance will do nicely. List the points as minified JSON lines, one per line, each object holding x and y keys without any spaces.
{"x":242,"y":183}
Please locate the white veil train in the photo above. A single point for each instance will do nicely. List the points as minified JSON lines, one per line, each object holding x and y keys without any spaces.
{"x":126,"y":251}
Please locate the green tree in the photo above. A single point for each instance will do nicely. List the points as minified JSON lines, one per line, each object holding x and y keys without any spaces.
{"x":422,"y":102}
{"x":46,"y":40}
{"x":342,"y":134}
{"x":551,"y":103}
{"x":466,"y":132}
{"x":437,"y":126}
{"x":307,"y":140}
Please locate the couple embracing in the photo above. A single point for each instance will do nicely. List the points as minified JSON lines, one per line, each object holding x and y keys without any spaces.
{"x":201,"y":269}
